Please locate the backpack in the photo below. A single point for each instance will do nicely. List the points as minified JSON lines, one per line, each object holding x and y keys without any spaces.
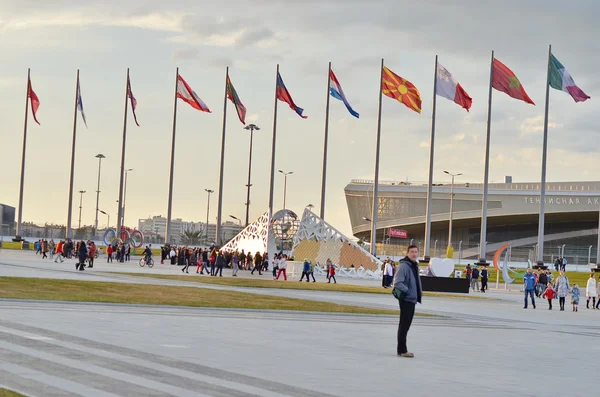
{"x":475,"y":273}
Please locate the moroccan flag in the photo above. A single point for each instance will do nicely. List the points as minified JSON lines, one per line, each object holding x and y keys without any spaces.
{"x":448,"y":87}
{"x":132,"y":99}
{"x":35,"y":102}
{"x":560,"y":79}
{"x":505,"y":80}
{"x":233,"y":96}
{"x":284,"y":95}
{"x":400,"y":89}
{"x":186,"y":94}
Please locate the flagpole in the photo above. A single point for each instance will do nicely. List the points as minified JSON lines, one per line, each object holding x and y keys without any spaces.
{"x":430,"y":185}
{"x":324,"y":177}
{"x":376,"y":181}
{"x":122,"y":169}
{"x":170,"y":205}
{"x":70,"y":210}
{"x":274,"y":144}
{"x":486,"y":172}
{"x":540,"y":253}
{"x":220,"y":203}
{"x":20,"y":218}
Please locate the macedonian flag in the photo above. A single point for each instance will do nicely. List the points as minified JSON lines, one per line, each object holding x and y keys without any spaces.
{"x":400,"y":89}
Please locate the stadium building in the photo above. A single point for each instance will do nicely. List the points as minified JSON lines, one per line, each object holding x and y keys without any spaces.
{"x":572,"y":210}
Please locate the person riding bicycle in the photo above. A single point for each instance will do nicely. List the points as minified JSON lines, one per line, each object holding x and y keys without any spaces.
{"x":147,"y":254}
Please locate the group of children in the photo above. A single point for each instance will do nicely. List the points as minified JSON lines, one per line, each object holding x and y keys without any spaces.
{"x":591,"y":292}
{"x":550,"y":293}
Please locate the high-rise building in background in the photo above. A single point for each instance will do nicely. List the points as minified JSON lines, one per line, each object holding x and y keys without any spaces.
{"x":157,"y":226}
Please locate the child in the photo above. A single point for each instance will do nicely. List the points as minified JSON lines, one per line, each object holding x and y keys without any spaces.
{"x":575,"y":296}
{"x":549,"y":294}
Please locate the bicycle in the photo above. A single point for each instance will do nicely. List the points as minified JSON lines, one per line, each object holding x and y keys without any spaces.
{"x":143,"y":262}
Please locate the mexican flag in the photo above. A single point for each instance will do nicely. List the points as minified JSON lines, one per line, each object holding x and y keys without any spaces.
{"x":561,"y":80}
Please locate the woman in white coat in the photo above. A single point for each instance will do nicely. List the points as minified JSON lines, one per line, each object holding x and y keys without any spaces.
{"x":591,"y":291}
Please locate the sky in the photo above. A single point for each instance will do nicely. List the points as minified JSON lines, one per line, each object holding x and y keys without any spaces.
{"x":56,"y":37}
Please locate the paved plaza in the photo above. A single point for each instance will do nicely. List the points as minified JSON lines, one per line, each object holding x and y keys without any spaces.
{"x":479,"y":347}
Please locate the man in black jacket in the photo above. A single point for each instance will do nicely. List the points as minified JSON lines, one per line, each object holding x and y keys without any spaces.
{"x":408,"y":291}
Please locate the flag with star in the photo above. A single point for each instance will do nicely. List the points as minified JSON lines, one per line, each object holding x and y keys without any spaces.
{"x":400,"y":89}
{"x":505,"y":80}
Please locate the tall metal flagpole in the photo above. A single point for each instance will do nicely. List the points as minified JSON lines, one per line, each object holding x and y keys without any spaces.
{"x":218,"y":236}
{"x":486,"y":172}
{"x":430,"y":185}
{"x":122,"y":169}
{"x":274,"y":144}
{"x":20,"y":218}
{"x":324,"y":178}
{"x":376,"y":181}
{"x":69,"y":230}
{"x":170,"y":205}
{"x":540,"y":253}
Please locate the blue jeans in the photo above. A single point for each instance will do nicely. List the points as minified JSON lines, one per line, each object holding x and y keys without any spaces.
{"x":529,"y":292}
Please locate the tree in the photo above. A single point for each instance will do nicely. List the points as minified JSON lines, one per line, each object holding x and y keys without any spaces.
{"x":191,"y":238}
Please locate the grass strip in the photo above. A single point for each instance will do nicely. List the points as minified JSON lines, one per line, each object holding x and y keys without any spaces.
{"x":579,"y":278}
{"x":292,"y":284}
{"x":108,"y":292}
{"x":10,"y":393}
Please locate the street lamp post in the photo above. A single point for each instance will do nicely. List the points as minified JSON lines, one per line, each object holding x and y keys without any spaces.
{"x":370,"y":221}
{"x":108,"y":219}
{"x":451,"y":206}
{"x":285,"y":175}
{"x":124,"y":198}
{"x":251,"y":128}
{"x":209,"y":191}
{"x":237,"y":219}
{"x":80,"y":201}
{"x":99,"y":156}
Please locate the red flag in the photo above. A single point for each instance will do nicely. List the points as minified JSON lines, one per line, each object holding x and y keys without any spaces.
{"x":132,"y":100}
{"x":35,"y":102}
{"x":284,"y":95}
{"x":506,"y":81}
{"x":186,"y":94}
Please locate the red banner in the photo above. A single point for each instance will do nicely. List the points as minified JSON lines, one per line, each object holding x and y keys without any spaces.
{"x":397,"y":233}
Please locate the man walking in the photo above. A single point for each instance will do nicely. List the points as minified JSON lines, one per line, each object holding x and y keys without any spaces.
{"x":529,"y":282}
{"x":408,"y":291}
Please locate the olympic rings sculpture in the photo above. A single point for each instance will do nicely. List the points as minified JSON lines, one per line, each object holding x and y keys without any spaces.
{"x":135,"y":238}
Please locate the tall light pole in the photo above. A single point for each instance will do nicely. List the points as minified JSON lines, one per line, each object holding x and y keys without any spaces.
{"x":80,"y":201}
{"x":99,"y":156}
{"x":285,"y":175}
{"x":252,"y":128}
{"x":451,"y":206}
{"x":207,"y":213}
{"x":237,"y":219}
{"x":124,"y":197}
{"x":108,"y":220}
{"x":370,"y":221}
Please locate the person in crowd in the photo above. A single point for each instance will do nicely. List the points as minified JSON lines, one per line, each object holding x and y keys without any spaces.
{"x":542,"y":283}
{"x":328,"y":265}
{"x":44,"y":249}
{"x":332,"y":274}
{"x":311,"y":271}
{"x":38,"y":247}
{"x":591,"y":291}
{"x":192,"y":260}
{"x":575,"y":294}
{"x":59,"y":251}
{"x":598,"y":293}
{"x":243,"y":260}
{"x":475,"y":279}
{"x":173,"y":255}
{"x":51,"y":247}
{"x":562,"y":289}
{"x":128,"y":253}
{"x":529,"y":284}
{"x":484,"y":280}
{"x":92,"y":254}
{"x":235,"y":263}
{"x":82,"y":252}
{"x":563,"y":265}
{"x":408,"y":291}
{"x":549,"y":293}
{"x":109,"y":253}
{"x":282,"y":267}
{"x":468,"y":273}
{"x":388,"y":273}
{"x":557,"y":263}
{"x":219,"y":264}
{"x":305,"y":270}
{"x":122,"y":253}
{"x":265,"y":258}
{"x":163,"y":254}
{"x":212,"y":259}
{"x":257,"y":264}
{"x":275,"y":265}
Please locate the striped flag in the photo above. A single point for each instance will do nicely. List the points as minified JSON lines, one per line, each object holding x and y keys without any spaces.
{"x":80,"y":104}
{"x":233,"y":97}
{"x":186,"y":94}
{"x":335,"y":90}
{"x":132,"y":99}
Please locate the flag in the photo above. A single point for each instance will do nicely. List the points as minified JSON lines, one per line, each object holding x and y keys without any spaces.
{"x":400,"y":89}
{"x":448,"y":87}
{"x":503,"y":79}
{"x":335,"y":89}
{"x":284,"y":95}
{"x":35,"y":102}
{"x":185,"y":93}
{"x":561,"y":80}
{"x":132,"y":99}
{"x":80,"y":103}
{"x":233,"y":96}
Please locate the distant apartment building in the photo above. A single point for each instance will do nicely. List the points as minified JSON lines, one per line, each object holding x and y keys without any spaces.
{"x":158,"y":225}
{"x":7,"y":220}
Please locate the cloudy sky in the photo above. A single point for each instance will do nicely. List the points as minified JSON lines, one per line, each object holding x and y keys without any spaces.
{"x":152,"y":38}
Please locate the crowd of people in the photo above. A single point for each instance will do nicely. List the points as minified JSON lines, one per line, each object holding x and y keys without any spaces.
{"x":543,"y":285}
{"x":67,"y":249}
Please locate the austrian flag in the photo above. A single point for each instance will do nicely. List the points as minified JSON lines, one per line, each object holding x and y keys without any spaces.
{"x":186,"y":94}
{"x":448,"y":87}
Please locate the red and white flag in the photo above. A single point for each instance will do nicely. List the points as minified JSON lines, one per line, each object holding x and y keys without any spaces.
{"x":186,"y":94}
{"x":35,"y":102}
{"x":448,"y":87}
